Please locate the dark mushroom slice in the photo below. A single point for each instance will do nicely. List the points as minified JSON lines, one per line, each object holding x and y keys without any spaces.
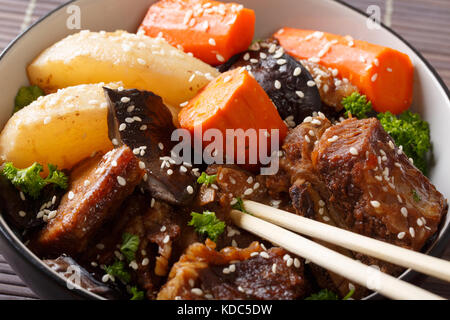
{"x":140,"y":120}
{"x":287,"y":82}
{"x":79,"y":276}
{"x":23,"y":212}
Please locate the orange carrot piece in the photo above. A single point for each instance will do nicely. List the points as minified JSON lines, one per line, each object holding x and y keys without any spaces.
{"x":234,"y":100}
{"x":383,"y":74}
{"x":211,"y":30}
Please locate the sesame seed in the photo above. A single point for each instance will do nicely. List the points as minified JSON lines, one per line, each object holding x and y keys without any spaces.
{"x":277,"y":84}
{"x":272,"y":48}
{"x":145,"y":261}
{"x":401,"y":235}
{"x":412,"y":232}
{"x":54,"y":200}
{"x":248,"y":191}
{"x":389,"y":69}
{"x":197,"y":291}
{"x":326,"y":218}
{"x":22,"y":196}
{"x":246,"y":56}
{"x":376,"y":62}
{"x":404,"y":212}
{"x":125,"y":99}
{"x":296,"y":263}
{"x":143,"y":127}
{"x":141,"y":61}
{"x":152,"y":204}
{"x":374,"y":77}
{"x":353,"y":151}
{"x":253,"y":60}
{"x":333,"y":138}
{"x":274,"y":268}
{"x":22,"y":213}
{"x":232,"y":268}
{"x":163,"y":228}
{"x":281,"y":61}
{"x":122,"y":127}
{"x":212,"y":42}
{"x":262,"y":55}
{"x":169,"y":172}
{"x":189,"y":189}
{"x":105,"y":278}
{"x":375,"y":204}
{"x":226,"y":79}
{"x":419,"y":222}
{"x":166,"y":239}
{"x":316,"y":122}
{"x":220,"y":58}
{"x":310,"y":83}
{"x":225,"y":271}
{"x":71,"y":195}
{"x":121,"y":181}
{"x":264,"y":255}
{"x":289,"y":262}
{"x":307,"y":139}
{"x":300,"y":94}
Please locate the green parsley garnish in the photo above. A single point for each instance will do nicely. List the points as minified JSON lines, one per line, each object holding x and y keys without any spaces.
{"x":27,"y":95}
{"x":130,"y":244}
{"x":117,"y":269}
{"x":412,"y":133}
{"x":326,"y":294}
{"x":207,"y":179}
{"x":239,"y":205}
{"x":323,"y":294}
{"x":29,"y":180}
{"x":137,"y":294}
{"x":207,"y":223}
{"x":415,"y":196}
{"x":357,"y":105}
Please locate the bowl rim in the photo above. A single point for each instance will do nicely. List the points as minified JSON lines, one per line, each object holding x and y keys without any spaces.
{"x":436,"y":249}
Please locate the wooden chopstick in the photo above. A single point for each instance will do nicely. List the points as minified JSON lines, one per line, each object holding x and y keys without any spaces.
{"x":384,"y":251}
{"x":351,"y":269}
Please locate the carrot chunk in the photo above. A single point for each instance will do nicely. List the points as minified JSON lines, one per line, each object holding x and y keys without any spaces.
{"x":235,"y":100}
{"x":211,"y":30}
{"x":383,"y":74}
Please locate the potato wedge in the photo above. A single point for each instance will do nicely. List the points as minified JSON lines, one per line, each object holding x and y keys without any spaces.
{"x":140,"y":62}
{"x":62,"y":128}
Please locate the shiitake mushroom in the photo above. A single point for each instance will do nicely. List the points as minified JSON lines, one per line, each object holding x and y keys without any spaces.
{"x":140,"y":120}
{"x":287,"y":82}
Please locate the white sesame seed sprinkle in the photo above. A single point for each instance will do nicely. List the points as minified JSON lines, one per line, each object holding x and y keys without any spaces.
{"x":264,"y":255}
{"x":122,"y":127}
{"x":277,"y":84}
{"x":375,"y":203}
{"x":220,"y":58}
{"x":401,"y":235}
{"x":166,"y":239}
{"x":404,"y":212}
{"x":412,"y":232}
{"x":197,"y":291}
{"x":300,"y":94}
{"x":189,"y":189}
{"x":374,"y":77}
{"x":212,"y":42}
{"x":71,"y":195}
{"x":353,"y":151}
{"x":125,"y":99}
{"x":121,"y":181}
{"x":310,"y":83}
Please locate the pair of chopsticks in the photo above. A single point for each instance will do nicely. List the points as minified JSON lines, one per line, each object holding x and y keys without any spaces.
{"x":266,"y":222}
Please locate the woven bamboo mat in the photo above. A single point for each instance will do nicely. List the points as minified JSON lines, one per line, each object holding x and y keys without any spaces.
{"x":424,"y":23}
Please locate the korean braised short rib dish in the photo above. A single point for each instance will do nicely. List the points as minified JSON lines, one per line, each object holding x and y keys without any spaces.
{"x":92,"y":175}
